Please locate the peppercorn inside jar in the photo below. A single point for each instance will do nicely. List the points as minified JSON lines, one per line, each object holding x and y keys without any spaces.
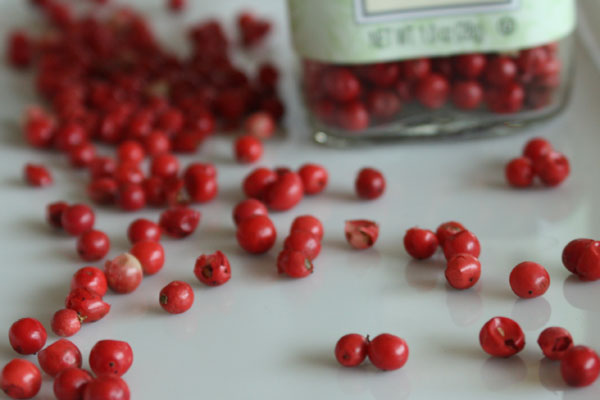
{"x":373,"y":70}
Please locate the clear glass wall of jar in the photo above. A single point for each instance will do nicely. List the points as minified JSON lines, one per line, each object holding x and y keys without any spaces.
{"x":462,"y":94}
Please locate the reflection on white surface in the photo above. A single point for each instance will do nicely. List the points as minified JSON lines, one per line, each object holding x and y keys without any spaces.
{"x":531,"y":314}
{"x":581,"y":294}
{"x":391,"y":385}
{"x":500,"y":374}
{"x":549,"y":374}
{"x":587,"y":393}
{"x":352,"y":380}
{"x":464,"y":306}
{"x":424,"y":274}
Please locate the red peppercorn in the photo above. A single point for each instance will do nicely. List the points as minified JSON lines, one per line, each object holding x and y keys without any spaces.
{"x":128,"y":173}
{"x":314,"y":178}
{"x":532,"y":61}
{"x":123,"y":273}
{"x":103,"y":190}
{"x":88,"y":304}
{"x":285,"y":192}
{"x":308,"y":223}
{"x":572,"y":253}
{"x":59,"y":356}
{"x":20,"y":379}
{"x":140,"y":124}
{"x":143,"y":229}
{"x":341,"y":84}
{"x":37,"y":175}
{"x":248,"y":149}
{"x":200,"y":186}
{"x":519,"y":172}
{"x":353,"y":116}
{"x":280,"y":171}
{"x":69,"y":136}
{"x":447,"y":229}
{"x":500,"y":71}
{"x":38,"y":128}
{"x":54,"y":213}
{"x":77,"y":219}
{"x":294,"y":264}
{"x":416,"y":69}
{"x":383,"y":74}
{"x":164,"y":165}
{"x":82,"y":155}
{"x":19,"y":50}
{"x":131,"y":197}
{"x":501,"y":337}
{"x":506,"y":99}
{"x":467,"y":95}
{"x":580,"y":366}
{"x":420,"y":243}
{"x":106,"y":387}
{"x":179,"y":222}
{"x":90,"y":278}
{"x":213,"y":269}
{"x":552,"y":168}
{"x":93,"y":245}
{"x":257,"y":181}
{"x":260,"y":124}
{"x":111,"y":357}
{"x":248,"y":208}
{"x":130,"y":151}
{"x":325,"y":111}
{"x":65,"y":323}
{"x":177,"y":297}
{"x":383,"y":104}
{"x":304,"y":242}
{"x":588,"y":265}
{"x":156,"y":143}
{"x":70,"y":383}
{"x":154,"y":190}
{"x":469,"y":66}
{"x":432,"y":91}
{"x":175,"y":193}
{"x":206,"y":169}
{"x":529,"y":279}
{"x":102,"y":167}
{"x":463,"y":271}
{"x":442,"y":66}
{"x":231,"y":103}
{"x":252,"y":29}
{"x":388,"y":352}
{"x":256,"y":234}
{"x":537,"y":147}
{"x":171,"y":121}
{"x":268,"y":75}
{"x":462,"y":242}
{"x":555,"y":342}
{"x":361,"y":233}
{"x":27,"y":336}
{"x":351,"y":350}
{"x":369,"y":184}
{"x":150,"y":254}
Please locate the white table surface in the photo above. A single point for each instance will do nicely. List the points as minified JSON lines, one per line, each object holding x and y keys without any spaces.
{"x":264,"y":337}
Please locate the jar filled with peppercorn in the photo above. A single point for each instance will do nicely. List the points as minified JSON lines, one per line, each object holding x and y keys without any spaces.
{"x":376,"y":70}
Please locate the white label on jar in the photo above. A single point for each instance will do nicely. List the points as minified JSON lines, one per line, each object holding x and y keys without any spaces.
{"x":389,"y":10}
{"x":365,"y":31}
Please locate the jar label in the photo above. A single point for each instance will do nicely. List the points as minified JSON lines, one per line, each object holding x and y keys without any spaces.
{"x":364,"y":31}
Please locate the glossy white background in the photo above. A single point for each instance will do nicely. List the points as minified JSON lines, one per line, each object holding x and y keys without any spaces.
{"x":263,"y":336}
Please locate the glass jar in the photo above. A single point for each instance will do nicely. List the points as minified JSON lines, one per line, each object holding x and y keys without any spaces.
{"x":380,"y":70}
